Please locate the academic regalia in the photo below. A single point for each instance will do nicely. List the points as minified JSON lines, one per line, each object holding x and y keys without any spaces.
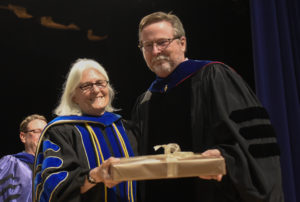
{"x":206,"y":105}
{"x":72,"y":145}
{"x":16,"y":177}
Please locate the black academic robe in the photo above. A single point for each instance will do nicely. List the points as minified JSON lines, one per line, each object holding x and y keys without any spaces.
{"x":72,"y":145}
{"x":207,"y":105}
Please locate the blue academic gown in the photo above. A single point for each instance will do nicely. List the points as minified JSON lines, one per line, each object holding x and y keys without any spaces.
{"x":16,"y":177}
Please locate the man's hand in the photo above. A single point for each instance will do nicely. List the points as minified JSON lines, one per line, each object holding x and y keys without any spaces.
{"x":212,"y":153}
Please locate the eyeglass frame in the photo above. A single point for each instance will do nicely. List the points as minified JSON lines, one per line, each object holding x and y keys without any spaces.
{"x":90,"y":85}
{"x":34,"y":131}
{"x":170,"y":40}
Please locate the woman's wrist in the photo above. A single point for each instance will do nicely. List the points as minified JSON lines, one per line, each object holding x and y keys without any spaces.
{"x":90,"y":179}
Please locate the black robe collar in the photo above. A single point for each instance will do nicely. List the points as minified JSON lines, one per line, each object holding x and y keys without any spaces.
{"x":181,"y":73}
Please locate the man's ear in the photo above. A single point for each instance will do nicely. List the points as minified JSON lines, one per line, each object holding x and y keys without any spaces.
{"x":22,"y":137}
{"x":183,"y":42}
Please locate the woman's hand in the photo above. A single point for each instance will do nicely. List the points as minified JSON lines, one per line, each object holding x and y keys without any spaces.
{"x":101,"y":174}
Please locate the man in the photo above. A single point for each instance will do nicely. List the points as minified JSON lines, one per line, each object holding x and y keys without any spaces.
{"x":16,"y":169}
{"x":206,"y":107}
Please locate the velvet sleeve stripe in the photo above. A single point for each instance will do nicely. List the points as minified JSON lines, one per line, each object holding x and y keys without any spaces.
{"x":3,"y":180}
{"x":51,"y":184}
{"x":257,"y":131}
{"x":260,"y":137}
{"x":51,"y":162}
{"x":39,"y":159}
{"x":9,"y":186}
{"x":48,"y":145}
{"x":264,"y":150}
{"x":248,"y":114}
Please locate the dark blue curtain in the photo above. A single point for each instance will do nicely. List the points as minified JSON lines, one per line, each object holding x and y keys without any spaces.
{"x":276,"y":50}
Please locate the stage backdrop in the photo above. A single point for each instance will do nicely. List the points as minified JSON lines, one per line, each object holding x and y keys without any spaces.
{"x":276,"y":42}
{"x":40,"y":39}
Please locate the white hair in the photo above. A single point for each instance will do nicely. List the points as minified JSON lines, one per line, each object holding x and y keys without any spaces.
{"x":66,"y":106}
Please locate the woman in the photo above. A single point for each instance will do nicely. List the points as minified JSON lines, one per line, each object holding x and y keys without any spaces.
{"x":76,"y":148}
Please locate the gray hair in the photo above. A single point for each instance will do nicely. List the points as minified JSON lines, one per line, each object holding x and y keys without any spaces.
{"x":162,"y":16}
{"x":66,"y":106}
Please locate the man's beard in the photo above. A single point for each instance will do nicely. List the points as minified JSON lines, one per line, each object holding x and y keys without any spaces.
{"x":162,"y":65}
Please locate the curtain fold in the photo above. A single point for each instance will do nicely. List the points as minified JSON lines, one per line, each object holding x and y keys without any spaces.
{"x":276,"y":50}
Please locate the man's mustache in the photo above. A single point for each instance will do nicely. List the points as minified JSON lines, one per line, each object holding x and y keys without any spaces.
{"x":160,"y":57}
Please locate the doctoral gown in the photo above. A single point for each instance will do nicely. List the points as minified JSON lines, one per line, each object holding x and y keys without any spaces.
{"x":205,"y":105}
{"x":72,"y":145}
{"x":16,"y":177}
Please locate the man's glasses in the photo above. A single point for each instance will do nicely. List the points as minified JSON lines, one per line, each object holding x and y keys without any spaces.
{"x":88,"y":86}
{"x":160,"y":44}
{"x":36,"y":131}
